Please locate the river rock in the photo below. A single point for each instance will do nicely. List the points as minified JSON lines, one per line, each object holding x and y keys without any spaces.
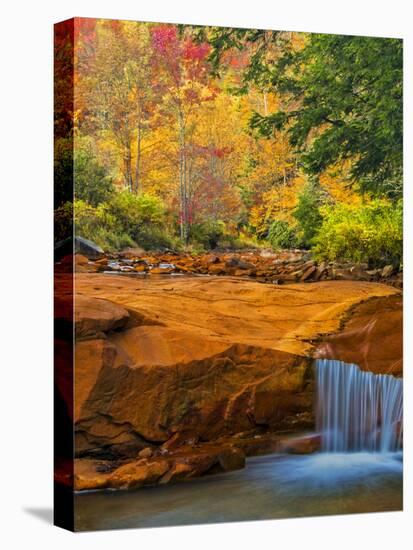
{"x":387,"y":271}
{"x":232,"y":459}
{"x":163,"y":269}
{"x":79,"y":245}
{"x":216,"y":269}
{"x":147,"y":452}
{"x":135,"y":474}
{"x":308,"y":273}
{"x":301,"y":445}
{"x":131,"y":253}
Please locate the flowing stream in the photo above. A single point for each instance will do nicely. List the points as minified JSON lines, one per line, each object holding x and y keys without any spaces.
{"x":360,"y":468}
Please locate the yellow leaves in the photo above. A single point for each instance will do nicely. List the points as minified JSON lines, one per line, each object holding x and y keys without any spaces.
{"x":335,"y":184}
{"x":276,"y":204}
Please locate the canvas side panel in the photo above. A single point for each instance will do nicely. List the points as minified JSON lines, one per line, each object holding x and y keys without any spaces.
{"x":63,"y":273}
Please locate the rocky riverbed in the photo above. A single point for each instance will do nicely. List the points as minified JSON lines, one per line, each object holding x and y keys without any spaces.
{"x":177,"y":377}
{"x":265,"y":266}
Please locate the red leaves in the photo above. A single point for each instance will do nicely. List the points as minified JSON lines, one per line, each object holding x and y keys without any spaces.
{"x":217,"y":152}
{"x":164,"y":38}
{"x":195,"y":52}
{"x":85,"y":30}
{"x":184,"y":57}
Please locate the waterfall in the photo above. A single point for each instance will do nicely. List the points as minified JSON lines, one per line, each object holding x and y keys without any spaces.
{"x":357,"y":410}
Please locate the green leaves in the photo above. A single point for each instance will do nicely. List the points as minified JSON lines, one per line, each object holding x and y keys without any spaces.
{"x":92,"y":183}
{"x":307,"y":212}
{"x":341,"y":99}
{"x":370,"y":233}
{"x":281,"y":235}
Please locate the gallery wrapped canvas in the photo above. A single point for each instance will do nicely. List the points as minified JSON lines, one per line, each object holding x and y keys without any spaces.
{"x":228,"y":274}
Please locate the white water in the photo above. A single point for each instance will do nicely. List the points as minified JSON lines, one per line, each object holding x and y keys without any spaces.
{"x":357,"y":410}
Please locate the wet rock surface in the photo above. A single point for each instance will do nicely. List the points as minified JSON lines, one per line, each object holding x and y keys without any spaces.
{"x":180,"y":377}
{"x":187,"y":461}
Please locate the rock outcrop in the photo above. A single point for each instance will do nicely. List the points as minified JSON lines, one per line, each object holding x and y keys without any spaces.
{"x":163,"y":365}
{"x":371,"y":337}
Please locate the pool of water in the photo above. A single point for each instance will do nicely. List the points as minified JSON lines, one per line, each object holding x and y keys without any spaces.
{"x":270,"y":487}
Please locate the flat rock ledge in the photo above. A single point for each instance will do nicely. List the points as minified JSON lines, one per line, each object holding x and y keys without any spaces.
{"x":170,"y":373}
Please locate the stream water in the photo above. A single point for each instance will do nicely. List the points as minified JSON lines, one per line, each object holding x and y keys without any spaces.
{"x":270,"y":487}
{"x":360,"y":468}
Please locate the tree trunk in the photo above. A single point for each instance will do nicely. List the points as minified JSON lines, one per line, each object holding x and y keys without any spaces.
{"x":137,"y":185}
{"x":127,"y":160}
{"x":182,"y":181}
{"x":265,"y":103}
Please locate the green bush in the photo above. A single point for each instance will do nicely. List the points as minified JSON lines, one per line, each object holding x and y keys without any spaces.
{"x":207,"y":233}
{"x":370,"y":233}
{"x":135,"y":213}
{"x":127,"y":220}
{"x":101,"y":227}
{"x":281,"y":235}
{"x":92,"y":182}
{"x":307,"y":213}
{"x":155,"y":238}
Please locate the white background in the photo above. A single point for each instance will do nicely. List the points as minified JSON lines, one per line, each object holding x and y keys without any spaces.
{"x":26,"y":268}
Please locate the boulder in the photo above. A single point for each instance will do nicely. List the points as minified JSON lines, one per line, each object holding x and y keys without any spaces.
{"x":308,"y":273}
{"x":93,"y":316}
{"x":132,"y":253}
{"x":180,"y":470}
{"x":87,"y":475}
{"x":147,"y":452}
{"x":232,"y":459}
{"x":238,"y":263}
{"x":301,"y":445}
{"x":79,"y":245}
{"x":387,"y":271}
{"x":216,"y":269}
{"x":135,"y":474}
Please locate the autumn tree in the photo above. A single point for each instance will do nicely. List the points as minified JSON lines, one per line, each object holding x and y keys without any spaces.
{"x":342,"y":99}
{"x":184,"y":87}
{"x":116,"y":91}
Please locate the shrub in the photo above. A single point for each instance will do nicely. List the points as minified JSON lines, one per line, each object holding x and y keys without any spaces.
{"x":307,"y":213}
{"x":370,"y":233}
{"x":281,"y":235}
{"x":207,"y":233}
{"x":101,"y":227}
{"x":127,"y":220}
{"x":155,"y":238}
{"x":92,"y":182}
{"x":135,"y":213}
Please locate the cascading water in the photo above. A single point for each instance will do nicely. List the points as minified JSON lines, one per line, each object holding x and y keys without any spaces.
{"x":357,"y":410}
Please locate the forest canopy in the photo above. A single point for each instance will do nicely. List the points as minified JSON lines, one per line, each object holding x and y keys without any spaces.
{"x":202,"y":137}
